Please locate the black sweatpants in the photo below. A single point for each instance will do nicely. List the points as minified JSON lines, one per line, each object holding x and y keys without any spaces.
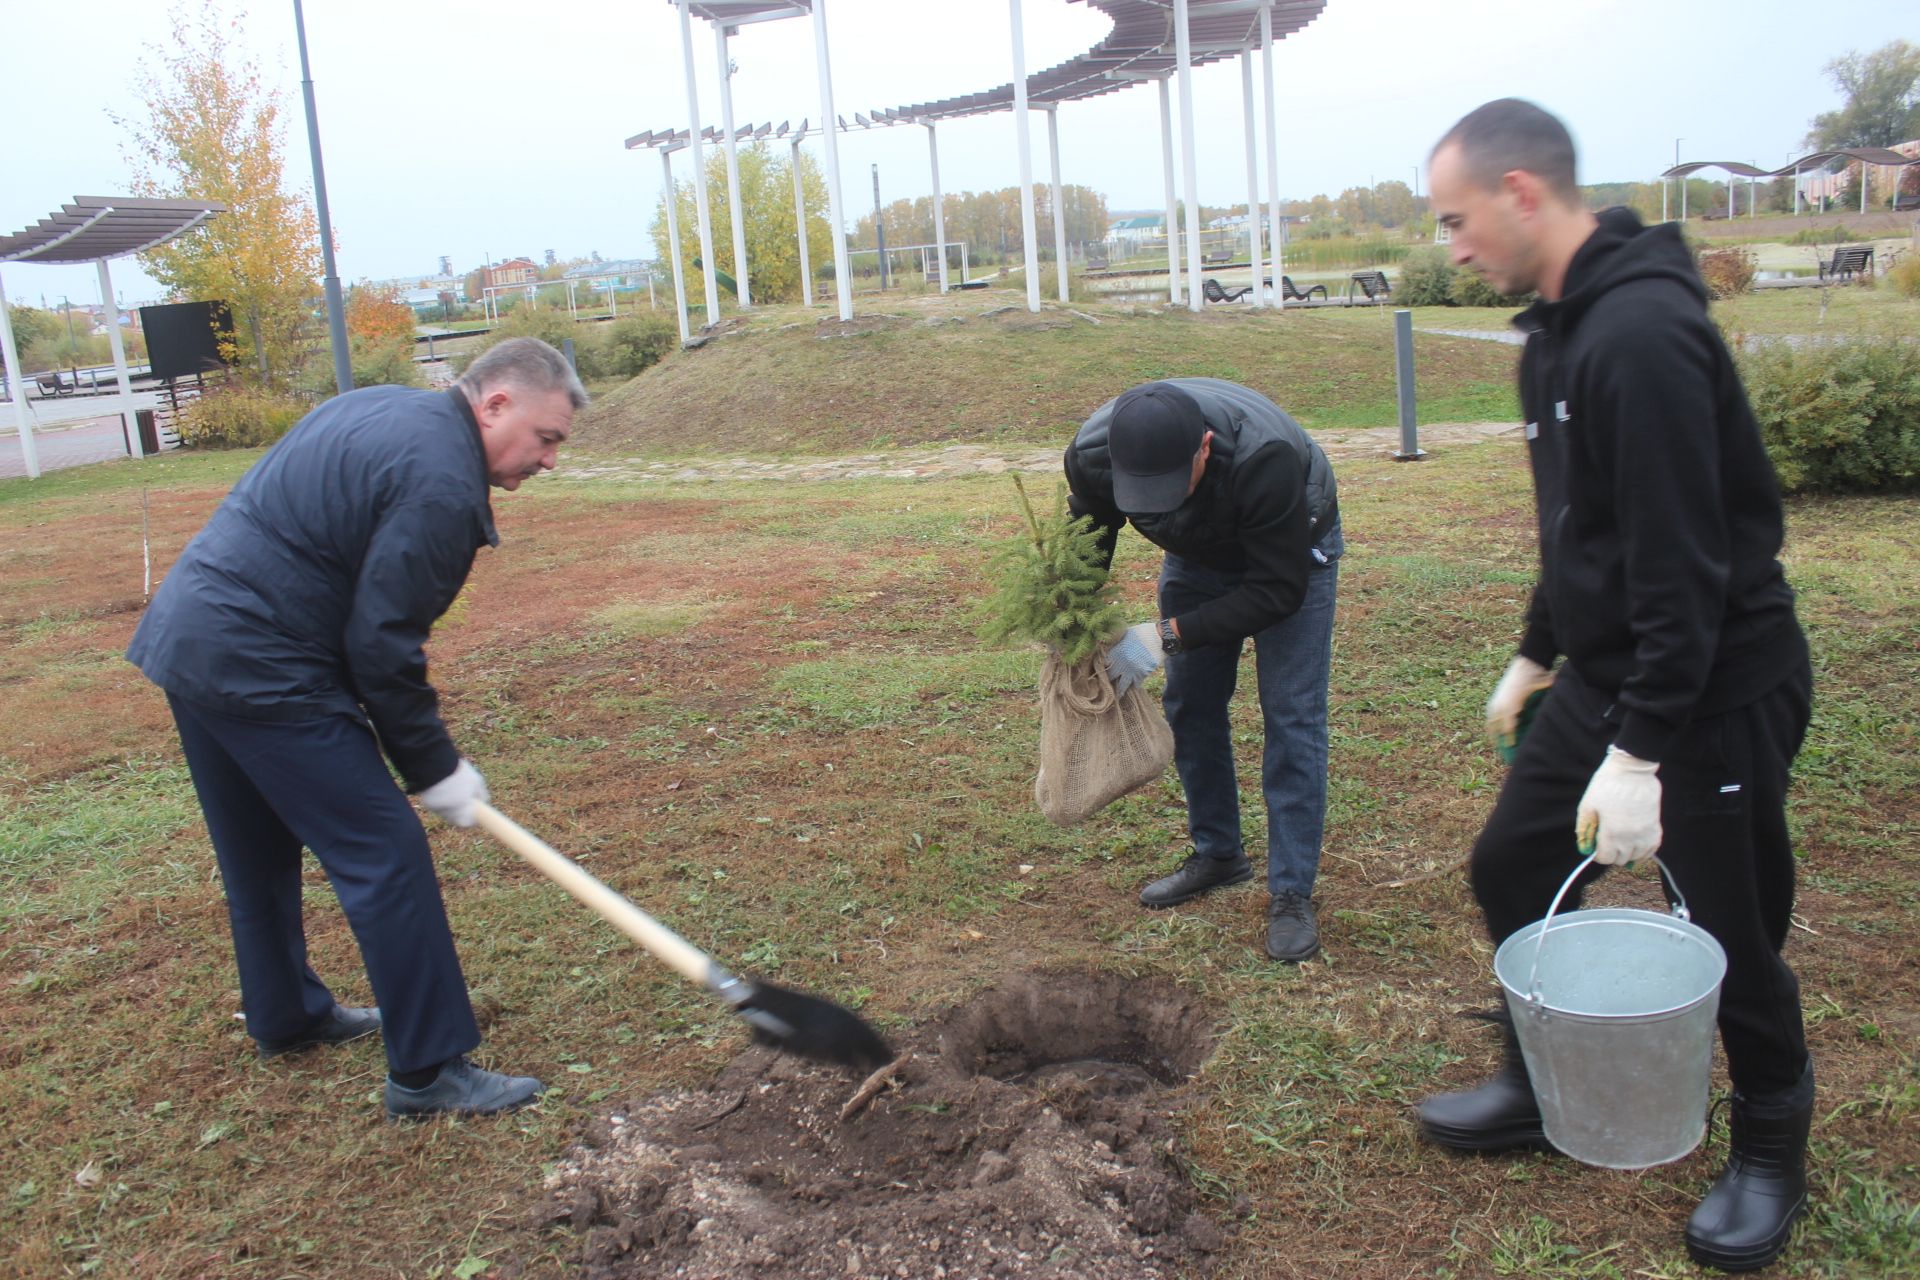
{"x":1723,"y":816}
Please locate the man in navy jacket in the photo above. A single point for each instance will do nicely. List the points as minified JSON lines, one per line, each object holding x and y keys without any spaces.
{"x":289,"y":639}
{"x":1686,"y":685}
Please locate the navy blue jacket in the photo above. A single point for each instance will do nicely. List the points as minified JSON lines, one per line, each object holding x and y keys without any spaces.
{"x":1660,"y":520}
{"x":312,"y":589}
{"x":1265,"y":504}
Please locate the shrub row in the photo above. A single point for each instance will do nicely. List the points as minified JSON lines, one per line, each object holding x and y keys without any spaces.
{"x":623,"y":348}
{"x":1840,"y":416}
{"x":1428,"y":278}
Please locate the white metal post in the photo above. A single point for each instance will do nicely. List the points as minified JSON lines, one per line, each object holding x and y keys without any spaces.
{"x":1863,"y":186}
{"x":1275,"y":236}
{"x":800,"y":225}
{"x":843,"y":287}
{"x":1796,"y":190}
{"x":1173,"y":207}
{"x":110,"y":310}
{"x":699,"y":165}
{"x":673,"y":244}
{"x":733,"y":169}
{"x":17,"y":385}
{"x":1059,"y":199}
{"x":1030,"y":254}
{"x":1253,"y":182}
{"x":1663,"y":200}
{"x":939,"y":205}
{"x":1183,"y":59}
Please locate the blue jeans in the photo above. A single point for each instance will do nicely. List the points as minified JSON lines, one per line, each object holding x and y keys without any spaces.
{"x":1292,"y":660}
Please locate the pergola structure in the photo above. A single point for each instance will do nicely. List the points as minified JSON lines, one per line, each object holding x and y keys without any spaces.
{"x":1878,"y":156}
{"x":1151,"y":40}
{"x":91,"y":229}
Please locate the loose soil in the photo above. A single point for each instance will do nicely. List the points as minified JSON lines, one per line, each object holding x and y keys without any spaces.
{"x":1025,"y":1134}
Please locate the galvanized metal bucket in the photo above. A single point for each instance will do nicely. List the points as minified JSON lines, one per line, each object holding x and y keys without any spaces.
{"x":1615,"y":1011}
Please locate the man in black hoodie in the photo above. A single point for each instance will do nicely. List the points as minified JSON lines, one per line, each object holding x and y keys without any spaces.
{"x":1685,"y":689}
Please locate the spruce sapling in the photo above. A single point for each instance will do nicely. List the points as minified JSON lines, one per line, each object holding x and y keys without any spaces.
{"x":1052,"y":586}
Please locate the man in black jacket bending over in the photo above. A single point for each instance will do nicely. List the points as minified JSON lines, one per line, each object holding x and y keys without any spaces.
{"x":288,"y":637}
{"x":1243,"y":504}
{"x":1685,"y":691}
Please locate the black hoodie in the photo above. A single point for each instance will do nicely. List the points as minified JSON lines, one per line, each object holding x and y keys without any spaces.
{"x":1660,"y":519}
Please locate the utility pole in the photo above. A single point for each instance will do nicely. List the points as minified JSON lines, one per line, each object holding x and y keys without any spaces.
{"x":336,"y":310}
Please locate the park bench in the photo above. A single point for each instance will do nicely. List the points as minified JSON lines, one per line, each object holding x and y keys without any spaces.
{"x":1372,"y":283}
{"x":1097,"y":258}
{"x":52,"y":384}
{"x":1902,"y":203}
{"x":1217,"y":257}
{"x":1290,"y":292}
{"x":967,"y":284}
{"x":1212,"y":290}
{"x":1848,"y":261}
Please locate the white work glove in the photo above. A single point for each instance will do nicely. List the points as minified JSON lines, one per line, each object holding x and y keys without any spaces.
{"x":1618,"y":821}
{"x":452,"y":797}
{"x":1524,"y":677}
{"x":1134,"y":656}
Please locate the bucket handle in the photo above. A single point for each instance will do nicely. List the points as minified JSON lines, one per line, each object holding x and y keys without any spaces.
{"x":1679,"y":909}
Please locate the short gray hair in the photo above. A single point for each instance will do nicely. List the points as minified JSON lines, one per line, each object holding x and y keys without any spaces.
{"x":527,"y":363}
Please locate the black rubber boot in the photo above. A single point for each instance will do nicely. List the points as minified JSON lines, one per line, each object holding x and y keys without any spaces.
{"x":1744,"y":1221}
{"x":1500,"y":1115}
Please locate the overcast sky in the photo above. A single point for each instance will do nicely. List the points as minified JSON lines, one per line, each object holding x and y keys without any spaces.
{"x":495,"y":127}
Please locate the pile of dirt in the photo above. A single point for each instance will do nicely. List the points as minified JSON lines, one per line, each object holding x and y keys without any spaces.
{"x":1026,"y":1134}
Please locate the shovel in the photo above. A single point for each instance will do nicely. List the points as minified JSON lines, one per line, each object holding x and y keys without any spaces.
{"x":802,"y":1024}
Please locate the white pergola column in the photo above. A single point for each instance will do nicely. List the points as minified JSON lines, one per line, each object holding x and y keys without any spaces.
{"x":1028,"y":250}
{"x":800,"y":223}
{"x":1173,"y":205}
{"x":830,"y":130}
{"x":939,"y":205}
{"x":699,"y":164}
{"x":733,"y":169}
{"x":1059,"y":198}
{"x":1275,"y":228}
{"x":1253,"y":182}
{"x":1183,"y":60}
{"x":111,"y":310}
{"x":1796,"y":190}
{"x":1683,"y":197}
{"x":673,"y":244}
{"x":1663,"y":200}
{"x":17,"y":386}
{"x":1863,"y":186}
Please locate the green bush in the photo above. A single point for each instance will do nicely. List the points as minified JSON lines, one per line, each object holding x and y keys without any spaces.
{"x":383,"y":364}
{"x":1426,"y":279}
{"x":635,"y":344}
{"x":1470,"y":289}
{"x":238,"y":417}
{"x":1840,"y":416}
{"x":551,"y":327}
{"x":1904,"y":275}
{"x":1727,"y":272}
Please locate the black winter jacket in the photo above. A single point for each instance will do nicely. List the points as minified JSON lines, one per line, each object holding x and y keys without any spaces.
{"x":1266,"y":502}
{"x":312,"y":589}
{"x":1659,"y":515}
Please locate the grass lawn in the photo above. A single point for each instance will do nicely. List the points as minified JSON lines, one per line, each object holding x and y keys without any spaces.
{"x":758,"y":710}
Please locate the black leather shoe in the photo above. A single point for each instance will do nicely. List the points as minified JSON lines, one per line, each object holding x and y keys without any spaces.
{"x":1744,"y":1221}
{"x":338,"y":1027}
{"x":1197,"y":875}
{"x":461,"y":1089}
{"x":1500,"y":1115}
{"x":1293,"y":931}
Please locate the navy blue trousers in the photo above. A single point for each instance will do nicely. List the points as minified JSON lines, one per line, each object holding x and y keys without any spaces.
{"x":267,"y":789}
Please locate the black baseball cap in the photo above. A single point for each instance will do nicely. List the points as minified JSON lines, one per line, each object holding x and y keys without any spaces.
{"x":1155,"y":430}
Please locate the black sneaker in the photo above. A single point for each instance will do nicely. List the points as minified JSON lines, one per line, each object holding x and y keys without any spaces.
{"x":1197,"y":875}
{"x":1293,"y":932}
{"x":461,"y":1089}
{"x":338,"y":1027}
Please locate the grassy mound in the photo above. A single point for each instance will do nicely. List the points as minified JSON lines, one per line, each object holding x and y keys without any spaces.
{"x":962,"y":370}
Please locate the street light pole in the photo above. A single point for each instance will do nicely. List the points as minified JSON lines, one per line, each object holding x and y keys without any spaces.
{"x":336,"y":311}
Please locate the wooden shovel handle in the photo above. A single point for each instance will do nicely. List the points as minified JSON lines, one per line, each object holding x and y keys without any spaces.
{"x":662,"y":942}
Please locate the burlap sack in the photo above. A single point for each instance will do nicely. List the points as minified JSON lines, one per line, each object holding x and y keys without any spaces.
{"x":1094,"y":747}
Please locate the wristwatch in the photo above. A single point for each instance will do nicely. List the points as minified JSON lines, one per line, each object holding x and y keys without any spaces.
{"x":1169,"y":638}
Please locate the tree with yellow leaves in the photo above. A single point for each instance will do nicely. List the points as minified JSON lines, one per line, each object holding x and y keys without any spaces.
{"x":766,"y":198}
{"x":212,"y":132}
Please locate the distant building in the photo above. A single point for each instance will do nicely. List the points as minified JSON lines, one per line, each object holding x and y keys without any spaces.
{"x":1131,"y":229}
{"x":512,"y":271}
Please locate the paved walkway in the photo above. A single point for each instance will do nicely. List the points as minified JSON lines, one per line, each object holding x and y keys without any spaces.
{"x":969,"y":459}
{"x":67,"y":445}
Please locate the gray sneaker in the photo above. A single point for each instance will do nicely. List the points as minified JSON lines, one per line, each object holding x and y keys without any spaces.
{"x":461,"y":1089}
{"x":1293,"y":931}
